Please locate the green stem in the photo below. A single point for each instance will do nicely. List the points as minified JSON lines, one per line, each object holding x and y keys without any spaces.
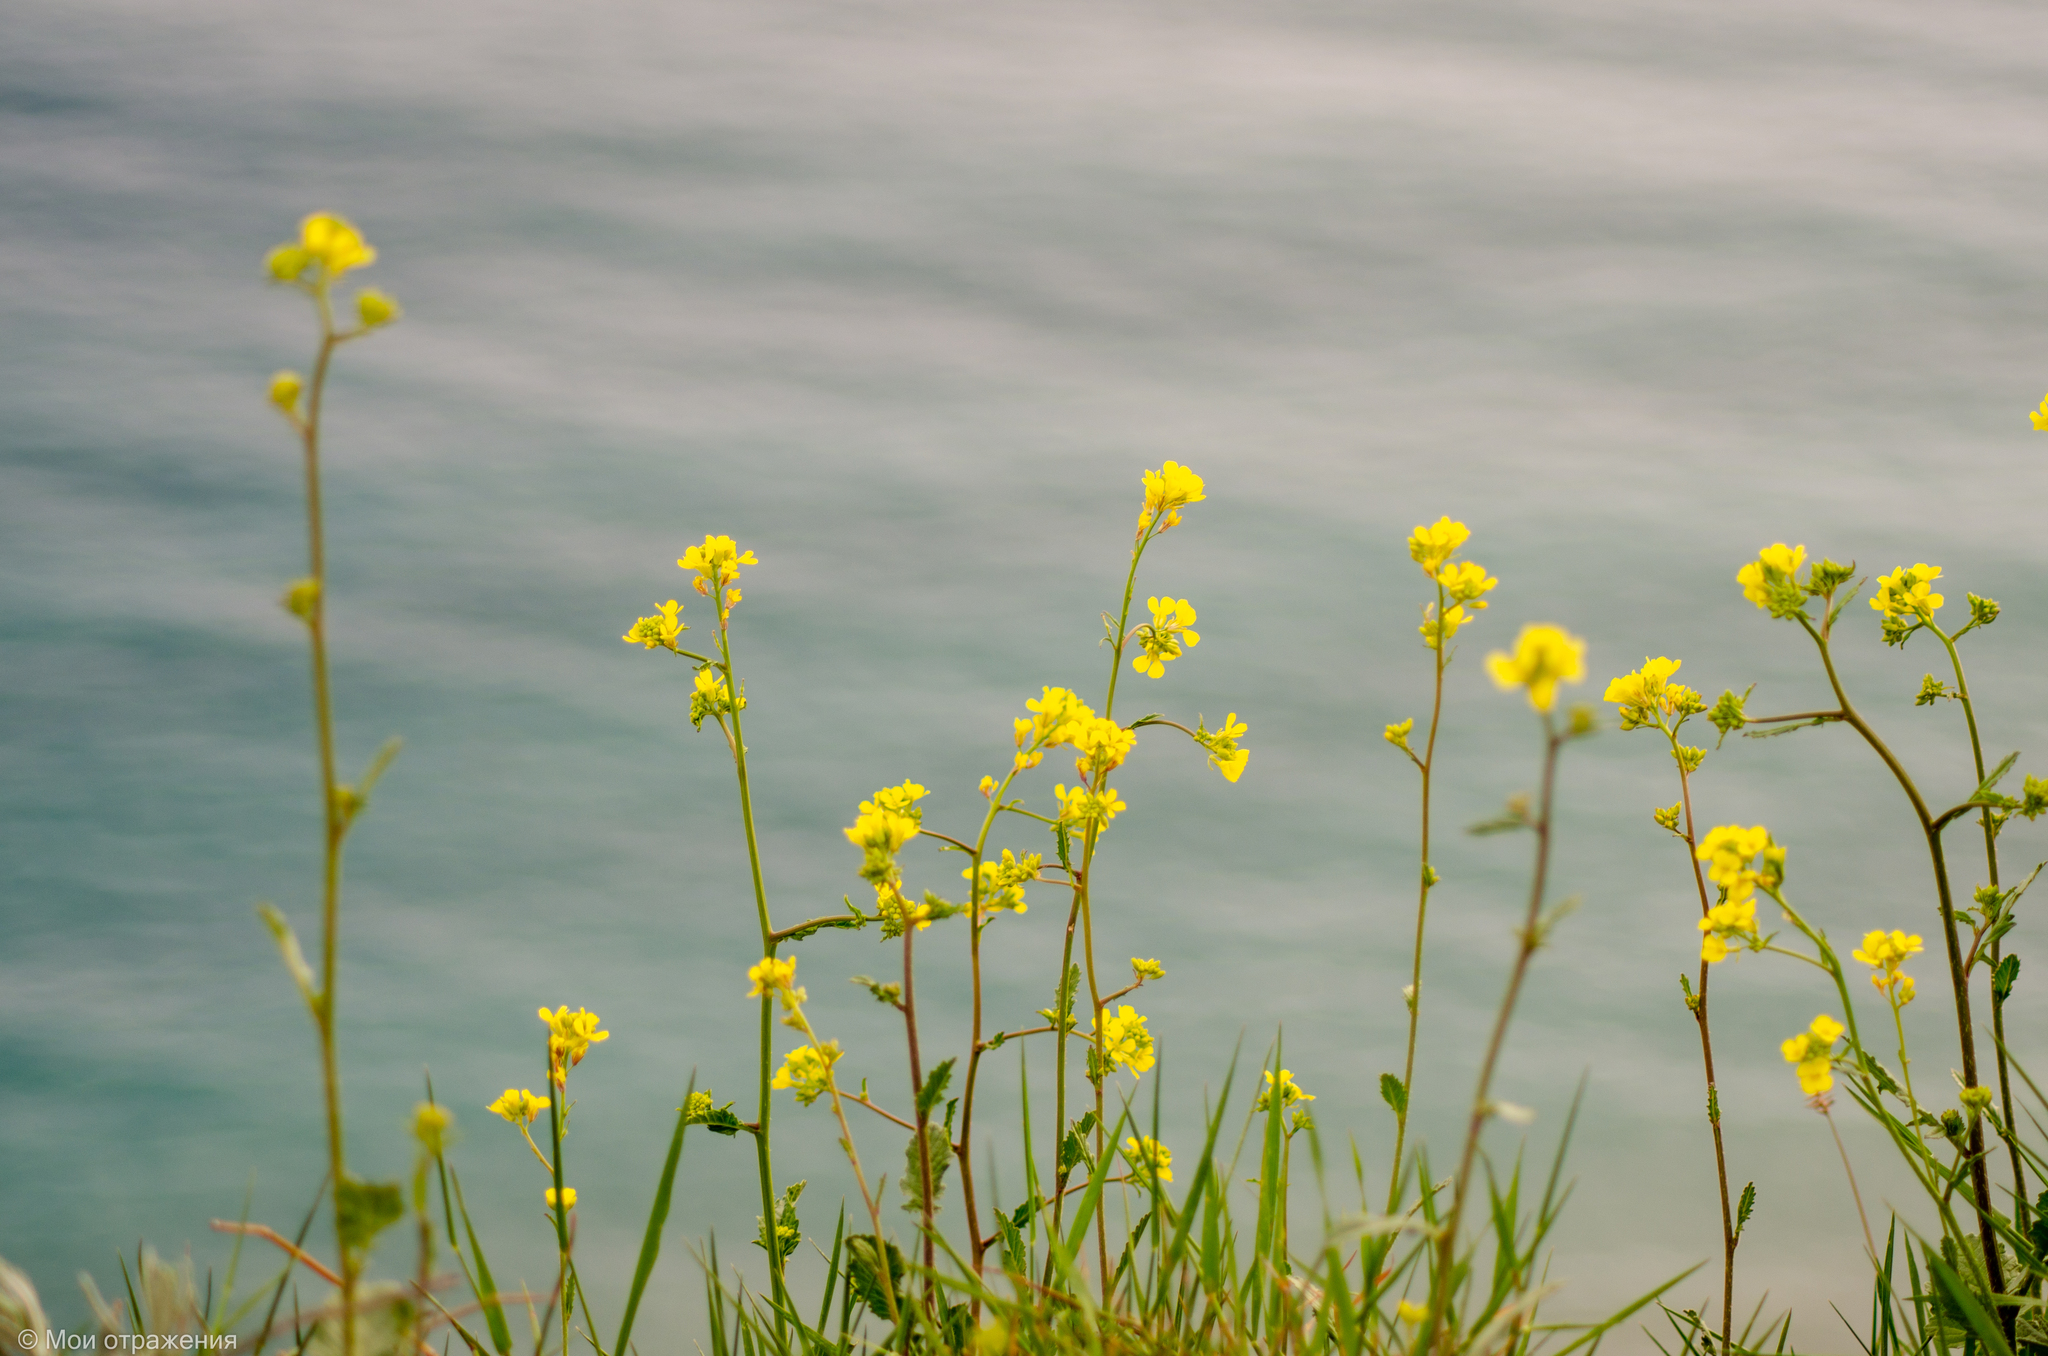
{"x":2019,"y":1173}
{"x":1980,"y":1181}
{"x":1446,"y":1251}
{"x":1427,"y":764}
{"x":763,"y":1155}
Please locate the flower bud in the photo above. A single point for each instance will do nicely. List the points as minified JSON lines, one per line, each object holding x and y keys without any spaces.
{"x":1976,"y":1099}
{"x":430,"y":1124}
{"x":301,"y":597}
{"x":376,"y":308}
{"x":287,"y":262}
{"x":284,"y":390}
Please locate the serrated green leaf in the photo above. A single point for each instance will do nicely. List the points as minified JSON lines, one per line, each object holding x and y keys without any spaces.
{"x":1394,"y":1093}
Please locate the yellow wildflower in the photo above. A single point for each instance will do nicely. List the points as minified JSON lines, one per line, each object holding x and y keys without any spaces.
{"x":518,"y":1106}
{"x":1168,"y":490}
{"x":1163,"y":639}
{"x":1431,"y":547}
{"x":1411,"y":1312}
{"x":806,"y":1072}
{"x":1290,"y":1091}
{"x":568,"y":1198}
{"x":660,"y":629}
{"x":710,"y":696}
{"x":1465,"y":582}
{"x":1142,"y":970}
{"x":897,"y":800}
{"x":1224,"y":754}
{"x":570,"y":1036}
{"x":717,"y":563}
{"x":1727,"y":850}
{"x":1648,"y":692}
{"x":1908,"y":592}
{"x":1812,"y":1052}
{"x":430,"y":1125}
{"x":1148,"y":1159}
{"x":1002,"y":883}
{"x":880,"y":834}
{"x":1083,"y":807}
{"x":1775,"y":564}
{"x":1437,"y":631}
{"x":771,"y":975}
{"x":1730,"y":920}
{"x":1544,"y":657}
{"x":1103,"y":745}
{"x":2041,"y":416}
{"x":1055,"y":715}
{"x":1885,"y":952}
{"x":326,"y":242}
{"x":1126,"y":1041}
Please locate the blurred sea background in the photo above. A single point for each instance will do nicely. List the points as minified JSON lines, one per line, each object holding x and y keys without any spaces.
{"x":905,"y":297}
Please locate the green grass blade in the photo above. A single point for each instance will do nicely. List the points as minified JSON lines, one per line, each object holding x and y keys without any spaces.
{"x":487,"y":1296}
{"x":657,"y":1216}
{"x":1958,"y":1294}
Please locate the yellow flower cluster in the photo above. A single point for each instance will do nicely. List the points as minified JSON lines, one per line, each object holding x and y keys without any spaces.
{"x":1463,"y":583}
{"x":1142,"y":969}
{"x":1149,"y":1159}
{"x":710,"y":698}
{"x":1813,"y":1053}
{"x":1908,"y":592}
{"x":1544,"y":656}
{"x":1885,"y":952}
{"x":1728,"y":851}
{"x":1224,"y":754}
{"x":2041,"y":416}
{"x":570,"y":1036}
{"x":1648,"y":694}
{"x":772,"y":974}
{"x":807,"y":1072}
{"x":1003,"y":882}
{"x":327,"y":244}
{"x":1126,"y":1041}
{"x":1168,"y":490}
{"x":880,"y":835}
{"x":660,"y":629}
{"x":717,"y":564}
{"x":1055,"y":715}
{"x":1103,"y":745}
{"x":1089,"y":809}
{"x":897,"y":800}
{"x":1290,"y":1092}
{"x":1775,"y":565}
{"x":1166,"y":637}
{"x":518,"y":1106}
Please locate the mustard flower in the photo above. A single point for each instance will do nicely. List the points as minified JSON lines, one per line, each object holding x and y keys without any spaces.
{"x":1055,"y":714}
{"x":1149,"y":1159}
{"x":518,"y":1106}
{"x":1224,"y":754}
{"x":712,"y":698}
{"x":717,"y":564}
{"x":1544,"y":656}
{"x":430,"y":1125}
{"x":1773,"y":569}
{"x":301,"y":597}
{"x":1908,"y":592}
{"x":1885,"y":952}
{"x":2041,"y":416}
{"x":660,"y":629}
{"x":1437,"y":631}
{"x":570,"y":1036}
{"x":1465,"y":581}
{"x":1166,"y":637}
{"x":1103,"y":745}
{"x":806,"y":1072}
{"x":1290,"y":1091}
{"x":1142,"y":970}
{"x":1168,"y":490}
{"x":327,"y":244}
{"x":1431,"y":547}
{"x":1002,"y":882}
{"x":987,"y":787}
{"x":1648,"y":693}
{"x":1397,"y":735}
{"x":1410,"y":1312}
{"x":1812,"y":1053}
{"x":1085,"y":808}
{"x":1127,"y":1042}
{"x":568,"y":1198}
{"x":771,"y":975}
{"x":880,"y":835}
{"x":897,"y":800}
{"x":284,"y":391}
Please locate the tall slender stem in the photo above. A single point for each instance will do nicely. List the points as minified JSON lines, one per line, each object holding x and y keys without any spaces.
{"x":771,"y":1240}
{"x":1699,"y":1012}
{"x":1421,"y":917}
{"x":924,"y":1156}
{"x":1446,"y":1252}
{"x":334,"y":822}
{"x":1990,"y":826}
{"x":1980,"y":1181}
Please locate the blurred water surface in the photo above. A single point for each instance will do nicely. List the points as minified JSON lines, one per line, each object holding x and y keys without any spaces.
{"x":905,"y":296}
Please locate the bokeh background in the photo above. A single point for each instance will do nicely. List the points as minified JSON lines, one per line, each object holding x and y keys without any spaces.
{"x":905,"y":296}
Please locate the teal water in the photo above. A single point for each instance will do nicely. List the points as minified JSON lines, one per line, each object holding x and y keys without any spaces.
{"x":905,"y":297}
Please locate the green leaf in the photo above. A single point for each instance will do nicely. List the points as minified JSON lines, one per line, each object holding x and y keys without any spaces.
{"x":864,"y":1276}
{"x":294,"y":957}
{"x":363,"y":1210}
{"x":1990,"y":783}
{"x":1394,"y":1093}
{"x":934,"y":1086}
{"x":1015,"y":1260}
{"x":940,"y":1153}
{"x":650,"y":1243}
{"x":1959,"y":1300}
{"x":486,"y":1287}
{"x":2003,"y":978}
{"x":1745,"y":1208}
